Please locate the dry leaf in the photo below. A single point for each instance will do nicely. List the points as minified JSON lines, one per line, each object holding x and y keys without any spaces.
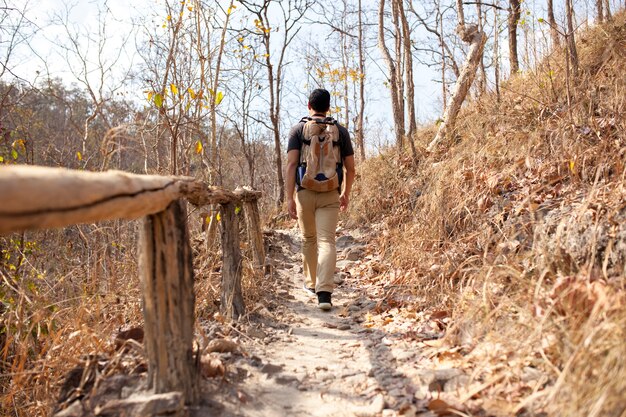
{"x":222,"y":346}
{"x":211,"y":367}
{"x":242,"y":397}
{"x":439,"y":314}
{"x":440,"y":407}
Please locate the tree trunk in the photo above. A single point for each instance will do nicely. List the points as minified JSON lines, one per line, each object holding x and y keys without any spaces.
{"x":408,"y":77}
{"x":514,"y":16}
{"x":571,"y":43}
{"x":168,"y":302}
{"x":395,"y":100}
{"x":359,"y":125}
{"x":554,"y":33}
{"x":395,"y":19}
{"x":496,"y":54}
{"x":232,"y":304}
{"x":213,"y":104}
{"x":599,"y":11}
{"x":482,"y":80}
{"x":463,"y":83}
{"x":607,"y":11}
{"x":442,"y":43}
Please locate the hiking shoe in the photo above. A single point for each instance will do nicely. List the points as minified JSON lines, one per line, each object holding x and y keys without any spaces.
{"x":308,"y":290}
{"x":323,"y":300}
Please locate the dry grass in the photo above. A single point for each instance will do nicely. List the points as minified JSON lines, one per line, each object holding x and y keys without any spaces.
{"x":517,"y":225}
{"x":58,"y":310}
{"x":74,"y":291}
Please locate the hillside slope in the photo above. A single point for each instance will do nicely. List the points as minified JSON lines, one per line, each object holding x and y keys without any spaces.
{"x":517,"y":226}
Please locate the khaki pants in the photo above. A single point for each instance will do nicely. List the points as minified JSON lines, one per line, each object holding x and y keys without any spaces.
{"x":317,"y":217}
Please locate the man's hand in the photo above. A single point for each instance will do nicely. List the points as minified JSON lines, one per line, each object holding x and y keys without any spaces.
{"x":344,"y":200}
{"x":291,"y":207}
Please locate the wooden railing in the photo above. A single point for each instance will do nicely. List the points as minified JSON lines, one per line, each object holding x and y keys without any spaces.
{"x":39,"y":197}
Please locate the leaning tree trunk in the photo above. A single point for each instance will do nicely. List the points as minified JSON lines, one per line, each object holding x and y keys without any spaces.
{"x":168,"y":302}
{"x":464,"y":82}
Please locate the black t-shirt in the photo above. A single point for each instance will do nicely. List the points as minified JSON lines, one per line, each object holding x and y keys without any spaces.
{"x":296,"y":137}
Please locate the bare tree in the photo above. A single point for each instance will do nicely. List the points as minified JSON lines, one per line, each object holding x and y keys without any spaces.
{"x":93,"y":72}
{"x":476,"y":39}
{"x":554,"y":33}
{"x":514,"y":17}
{"x":361,"y":111}
{"x":408,"y":71}
{"x":292,"y":12}
{"x":447,"y":56}
{"x":482,"y":79}
{"x":496,"y":53}
{"x":216,"y":98}
{"x":396,"y":103}
{"x":571,"y":43}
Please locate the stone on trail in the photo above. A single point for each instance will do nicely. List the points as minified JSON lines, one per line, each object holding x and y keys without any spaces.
{"x":271,"y":369}
{"x":256,"y":333}
{"x":373,"y":409}
{"x":145,"y":405}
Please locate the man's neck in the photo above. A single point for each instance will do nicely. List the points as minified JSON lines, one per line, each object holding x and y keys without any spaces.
{"x":316,"y":113}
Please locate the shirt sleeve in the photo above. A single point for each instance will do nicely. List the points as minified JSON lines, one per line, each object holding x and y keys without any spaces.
{"x":345,"y":144}
{"x":295,"y":137}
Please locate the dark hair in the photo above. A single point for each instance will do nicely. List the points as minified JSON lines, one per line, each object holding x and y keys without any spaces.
{"x":319,"y":100}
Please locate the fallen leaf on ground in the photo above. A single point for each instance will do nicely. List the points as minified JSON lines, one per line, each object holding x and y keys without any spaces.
{"x":440,"y":407}
{"x":211,"y":367}
{"x":222,"y":346}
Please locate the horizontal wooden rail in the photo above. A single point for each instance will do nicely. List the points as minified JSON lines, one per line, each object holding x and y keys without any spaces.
{"x":33,"y":197}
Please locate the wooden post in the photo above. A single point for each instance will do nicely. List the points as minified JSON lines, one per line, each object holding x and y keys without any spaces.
{"x":232,"y":304}
{"x":168,"y":302}
{"x":255,"y":233}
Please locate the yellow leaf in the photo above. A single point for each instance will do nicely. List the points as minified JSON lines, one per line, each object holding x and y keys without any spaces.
{"x":150,"y":95}
{"x":230,"y":10}
{"x":219,"y":98}
{"x":174,"y":89}
{"x":158,"y":100}
{"x":169,"y":17}
{"x":199,"y":147}
{"x":19,"y":144}
{"x":218,"y":217}
{"x":190,"y":8}
{"x":191,"y":93}
{"x":79,"y":156}
{"x":572,"y":164}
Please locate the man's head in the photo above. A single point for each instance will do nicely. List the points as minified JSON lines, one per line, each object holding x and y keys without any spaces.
{"x":319,"y":100}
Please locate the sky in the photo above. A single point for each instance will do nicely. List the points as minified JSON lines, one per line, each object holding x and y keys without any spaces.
{"x":82,"y":16}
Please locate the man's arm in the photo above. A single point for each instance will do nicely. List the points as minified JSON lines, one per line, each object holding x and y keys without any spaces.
{"x":293,"y":158}
{"x":344,"y":199}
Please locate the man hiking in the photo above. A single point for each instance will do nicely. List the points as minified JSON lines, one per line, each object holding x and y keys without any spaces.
{"x":318,"y":151}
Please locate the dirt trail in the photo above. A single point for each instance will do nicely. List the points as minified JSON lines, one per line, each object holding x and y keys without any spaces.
{"x":301,"y":361}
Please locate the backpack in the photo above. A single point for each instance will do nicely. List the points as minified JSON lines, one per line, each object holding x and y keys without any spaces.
{"x":320,"y":166}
